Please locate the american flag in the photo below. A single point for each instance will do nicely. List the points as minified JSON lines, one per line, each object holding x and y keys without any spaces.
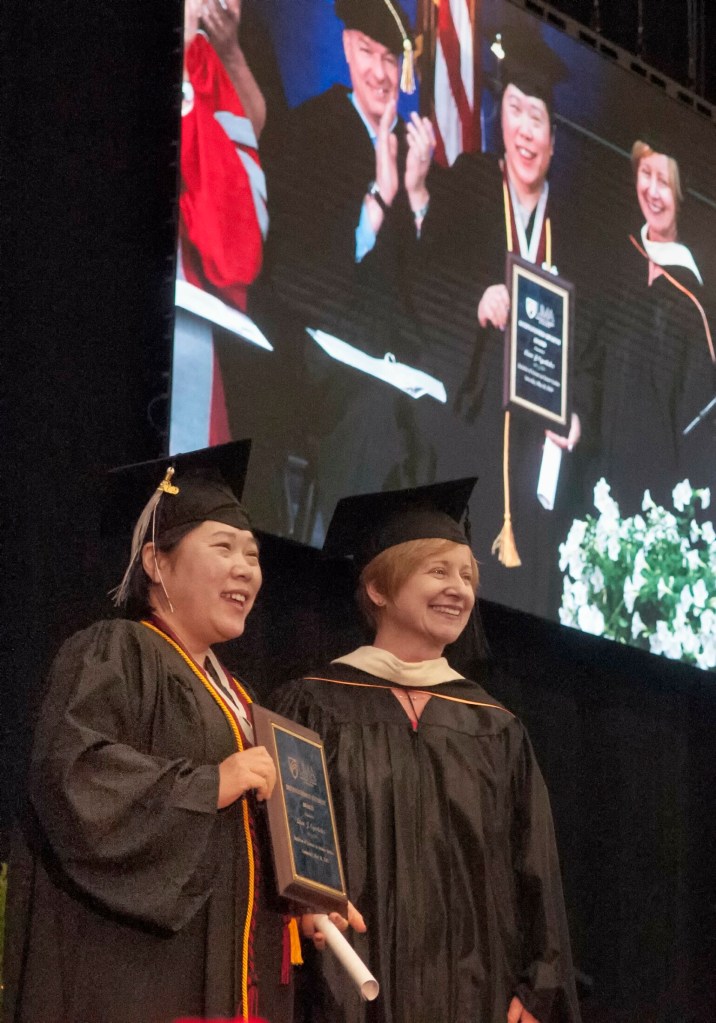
{"x":456,"y":89}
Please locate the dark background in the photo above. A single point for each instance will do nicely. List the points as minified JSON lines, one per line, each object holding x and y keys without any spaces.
{"x":88,"y":118}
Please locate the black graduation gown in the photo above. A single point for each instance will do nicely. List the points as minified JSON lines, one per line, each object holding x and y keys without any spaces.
{"x":652,"y":375}
{"x":464,"y":250}
{"x":449,"y":853}
{"x":317,"y":185}
{"x":129,"y":890}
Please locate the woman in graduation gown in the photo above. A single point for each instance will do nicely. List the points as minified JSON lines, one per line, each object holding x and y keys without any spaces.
{"x":443,"y":815}
{"x":654,"y":356}
{"x":139,"y":893}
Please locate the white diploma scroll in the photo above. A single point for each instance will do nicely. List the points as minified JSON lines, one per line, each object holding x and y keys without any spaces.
{"x":549,"y":474}
{"x":350,"y":960}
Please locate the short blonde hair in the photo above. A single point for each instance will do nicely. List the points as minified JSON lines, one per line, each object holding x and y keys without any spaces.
{"x":641,"y":149}
{"x":390,"y":570}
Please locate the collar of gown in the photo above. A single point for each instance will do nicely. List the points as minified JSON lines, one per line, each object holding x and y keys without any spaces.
{"x":412,"y":674}
{"x":670,"y":254}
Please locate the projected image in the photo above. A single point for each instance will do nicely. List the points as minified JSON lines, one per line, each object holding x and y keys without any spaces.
{"x":354,"y":177}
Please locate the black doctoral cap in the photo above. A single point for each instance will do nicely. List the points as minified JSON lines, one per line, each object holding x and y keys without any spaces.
{"x":653,"y":136}
{"x":182,"y":490}
{"x":382,"y":20}
{"x":529,"y":63}
{"x":367,"y":524}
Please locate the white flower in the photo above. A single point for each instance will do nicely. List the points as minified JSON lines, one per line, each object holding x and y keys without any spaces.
{"x":689,"y":642}
{"x":579,"y":593}
{"x":664,"y":642}
{"x":661,"y":588}
{"x":637,"y":626}
{"x":596,"y":580}
{"x":708,"y":533}
{"x":693,"y":560}
{"x":590,"y":619}
{"x":631,"y":592}
{"x":566,"y":617}
{"x":640,"y":566}
{"x":705,"y":496}
{"x":679,"y":622}
{"x":571,"y":554}
{"x":708,"y":623}
{"x":701,"y":593}
{"x":686,"y":599}
{"x":613,"y":548}
{"x":694,"y":531}
{"x":706,"y":658}
{"x":648,"y":502}
{"x":603,"y":501}
{"x":682,"y":495}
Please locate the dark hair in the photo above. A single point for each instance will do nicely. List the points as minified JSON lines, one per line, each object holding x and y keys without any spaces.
{"x":138,"y":604}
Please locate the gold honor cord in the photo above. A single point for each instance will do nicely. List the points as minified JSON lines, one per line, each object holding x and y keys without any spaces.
{"x":244,"y":807}
{"x":504,"y":545}
{"x":694,"y":299}
{"x":437,"y":696}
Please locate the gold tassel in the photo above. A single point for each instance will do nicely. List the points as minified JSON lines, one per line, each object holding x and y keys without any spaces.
{"x":295,"y":942}
{"x":504,"y":545}
{"x":407,"y":77}
{"x":148,"y":517}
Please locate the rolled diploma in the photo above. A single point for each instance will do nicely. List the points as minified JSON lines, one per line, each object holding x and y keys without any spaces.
{"x":549,"y":474}
{"x":348,"y":958}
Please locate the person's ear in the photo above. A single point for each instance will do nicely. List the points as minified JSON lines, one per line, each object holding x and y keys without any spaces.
{"x":150,"y":563}
{"x":378,"y":598}
{"x":347,"y":46}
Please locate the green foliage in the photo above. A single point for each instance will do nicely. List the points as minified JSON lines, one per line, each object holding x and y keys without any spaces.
{"x":648,"y":580}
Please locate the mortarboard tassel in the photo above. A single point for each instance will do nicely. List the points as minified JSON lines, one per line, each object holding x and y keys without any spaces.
{"x":120,"y":593}
{"x":407,"y":75}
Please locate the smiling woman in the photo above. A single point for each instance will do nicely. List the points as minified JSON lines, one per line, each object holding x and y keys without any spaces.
{"x":139,"y":889}
{"x":442,"y":813}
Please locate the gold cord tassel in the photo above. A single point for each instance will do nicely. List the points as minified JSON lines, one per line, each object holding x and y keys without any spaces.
{"x":295,"y":942}
{"x":120,"y":593}
{"x":504,"y":546}
{"x":407,"y":76}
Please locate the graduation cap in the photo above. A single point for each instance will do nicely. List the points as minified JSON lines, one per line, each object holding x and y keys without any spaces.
{"x":528,"y":62}
{"x":183,"y":490}
{"x":387,"y":23}
{"x":365,"y":525}
{"x":658,"y":141}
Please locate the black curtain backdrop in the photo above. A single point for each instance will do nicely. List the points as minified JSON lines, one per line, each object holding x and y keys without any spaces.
{"x":88,"y":119}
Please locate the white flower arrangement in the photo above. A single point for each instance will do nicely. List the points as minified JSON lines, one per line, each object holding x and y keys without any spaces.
{"x":648,"y":580}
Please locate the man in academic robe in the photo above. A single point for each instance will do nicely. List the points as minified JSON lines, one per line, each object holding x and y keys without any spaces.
{"x":347,"y":198}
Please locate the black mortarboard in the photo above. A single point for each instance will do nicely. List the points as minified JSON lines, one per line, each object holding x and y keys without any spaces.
{"x":179,"y":490}
{"x":382,"y":20}
{"x":658,"y":140}
{"x":366,"y":524}
{"x":529,"y":63}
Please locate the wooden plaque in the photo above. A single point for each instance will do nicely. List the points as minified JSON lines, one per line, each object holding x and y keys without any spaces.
{"x":304,"y":841}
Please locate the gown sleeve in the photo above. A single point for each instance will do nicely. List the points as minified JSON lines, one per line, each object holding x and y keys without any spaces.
{"x":546,"y":985}
{"x":128,"y":828}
